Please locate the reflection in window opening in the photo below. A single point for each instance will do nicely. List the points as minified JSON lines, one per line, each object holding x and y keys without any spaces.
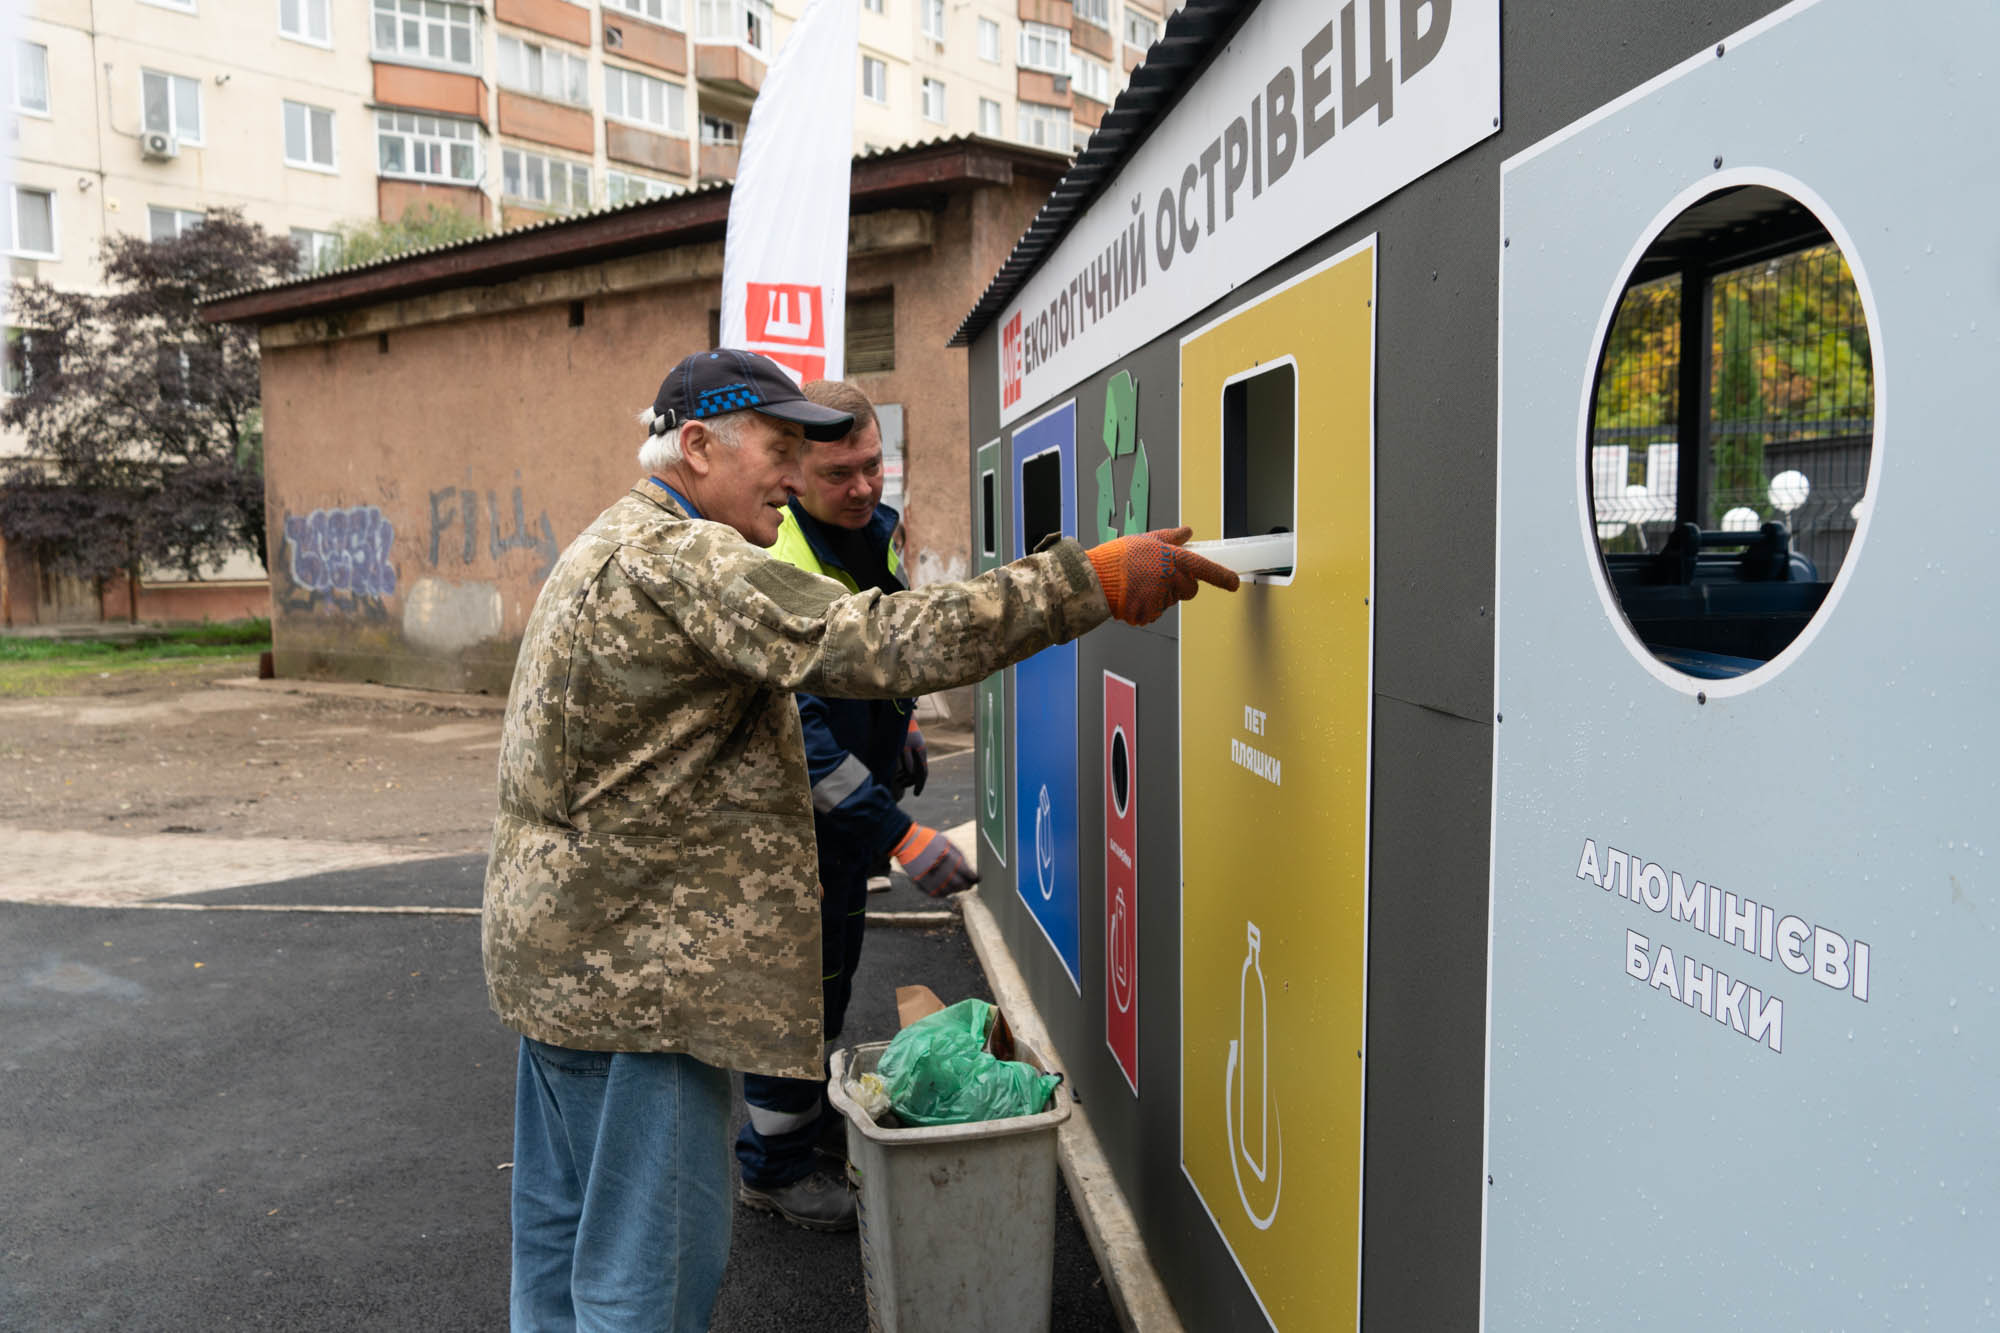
{"x":1720,"y":555}
{"x":1041,"y":499}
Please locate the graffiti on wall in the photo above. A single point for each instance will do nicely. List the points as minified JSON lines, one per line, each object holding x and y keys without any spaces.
{"x":340,"y":555}
{"x":455,"y":524}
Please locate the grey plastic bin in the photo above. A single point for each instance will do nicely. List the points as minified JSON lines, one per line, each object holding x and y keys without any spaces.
{"x":957,"y":1221}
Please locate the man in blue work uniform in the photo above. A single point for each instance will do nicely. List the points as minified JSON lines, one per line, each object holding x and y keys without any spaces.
{"x":860,"y":756}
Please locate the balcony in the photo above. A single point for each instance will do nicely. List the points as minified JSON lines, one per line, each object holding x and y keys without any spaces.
{"x":554,"y":18}
{"x":552,"y":123}
{"x":643,"y":148}
{"x":1043,"y":89}
{"x":732,"y":41}
{"x":718,"y":161}
{"x":1055,"y":13}
{"x":644,"y":43}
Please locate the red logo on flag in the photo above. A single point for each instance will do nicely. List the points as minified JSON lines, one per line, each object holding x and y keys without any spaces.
{"x":1010,"y":362}
{"x":785,"y":312}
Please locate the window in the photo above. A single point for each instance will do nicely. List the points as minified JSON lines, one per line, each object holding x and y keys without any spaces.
{"x":717,"y":131}
{"x":989,"y":40}
{"x":435,"y":148}
{"x":665,"y":12}
{"x":318,"y":250}
{"x":31,"y":78}
{"x":933,"y":18}
{"x":989,"y":117}
{"x":306,"y":21}
{"x":169,"y":224}
{"x":544,"y":71}
{"x":27,"y":355}
{"x":28,"y":227}
{"x":644,"y":100}
{"x":1089,"y":78}
{"x":1044,"y":126}
{"x":172,"y":105}
{"x":874,"y":80}
{"x":622,"y":188}
{"x":871,"y":332}
{"x":428,"y":32}
{"x":745,"y":23}
{"x":1044,"y":48}
{"x":1095,"y":12}
{"x":934,"y":101}
{"x":308,"y":136}
{"x":1140,"y":31}
{"x":1732,"y":430}
{"x":564,"y":186}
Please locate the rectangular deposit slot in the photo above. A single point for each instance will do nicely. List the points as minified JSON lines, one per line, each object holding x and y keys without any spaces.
{"x":989,"y":512}
{"x":1260,"y":469}
{"x":1041,"y":499}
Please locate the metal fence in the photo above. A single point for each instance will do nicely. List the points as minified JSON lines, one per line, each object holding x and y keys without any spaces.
{"x":1789,"y":428}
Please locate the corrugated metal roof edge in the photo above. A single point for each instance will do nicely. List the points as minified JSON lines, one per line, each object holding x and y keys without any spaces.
{"x":1190,"y":40}
{"x":377,"y":279}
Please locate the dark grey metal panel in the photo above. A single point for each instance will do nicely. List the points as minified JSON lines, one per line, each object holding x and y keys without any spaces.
{"x":1424,"y":1145}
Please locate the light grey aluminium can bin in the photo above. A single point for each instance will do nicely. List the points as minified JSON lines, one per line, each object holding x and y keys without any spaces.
{"x":957,"y":1221}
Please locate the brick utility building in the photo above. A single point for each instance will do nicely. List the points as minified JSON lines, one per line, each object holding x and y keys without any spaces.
{"x":438,"y":426}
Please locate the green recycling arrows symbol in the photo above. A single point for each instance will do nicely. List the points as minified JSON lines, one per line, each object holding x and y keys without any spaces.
{"x":1121,"y":436}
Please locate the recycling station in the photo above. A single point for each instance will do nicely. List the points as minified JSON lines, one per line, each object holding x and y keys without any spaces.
{"x":1552,"y":893}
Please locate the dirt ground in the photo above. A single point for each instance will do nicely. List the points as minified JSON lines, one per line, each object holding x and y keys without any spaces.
{"x":210,"y":750}
{"x":141,"y":783}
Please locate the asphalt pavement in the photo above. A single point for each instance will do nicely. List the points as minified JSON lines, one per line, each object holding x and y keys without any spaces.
{"x":302,"y":1120}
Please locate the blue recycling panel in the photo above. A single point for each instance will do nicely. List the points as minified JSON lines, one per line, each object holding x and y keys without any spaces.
{"x":1045,"y":762}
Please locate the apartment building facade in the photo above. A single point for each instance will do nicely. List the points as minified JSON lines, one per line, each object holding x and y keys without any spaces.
{"x":136,"y":116}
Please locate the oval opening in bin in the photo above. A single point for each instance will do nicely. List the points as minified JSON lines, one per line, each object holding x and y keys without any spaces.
{"x":1725,"y":490}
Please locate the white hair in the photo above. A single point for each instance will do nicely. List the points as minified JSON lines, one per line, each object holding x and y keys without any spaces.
{"x":662,"y":448}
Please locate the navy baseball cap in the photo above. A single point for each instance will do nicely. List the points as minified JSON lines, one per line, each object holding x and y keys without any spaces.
{"x":709,"y":384}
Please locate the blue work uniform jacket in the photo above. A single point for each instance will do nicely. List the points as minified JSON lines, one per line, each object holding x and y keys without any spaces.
{"x":852,"y":745}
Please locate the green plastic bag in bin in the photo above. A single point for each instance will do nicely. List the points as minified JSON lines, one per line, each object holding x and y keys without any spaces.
{"x":938,"y":1071}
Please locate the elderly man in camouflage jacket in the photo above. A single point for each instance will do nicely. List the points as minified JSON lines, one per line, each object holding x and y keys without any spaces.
{"x":651,"y":912}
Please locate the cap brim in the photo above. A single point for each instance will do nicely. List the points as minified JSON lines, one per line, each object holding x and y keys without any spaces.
{"x":821,"y":423}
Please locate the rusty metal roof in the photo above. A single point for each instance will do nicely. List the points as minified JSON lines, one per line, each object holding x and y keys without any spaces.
{"x":1189,"y":41}
{"x":884,"y":178}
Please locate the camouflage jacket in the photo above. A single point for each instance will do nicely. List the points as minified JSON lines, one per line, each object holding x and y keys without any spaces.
{"x":652,"y":884}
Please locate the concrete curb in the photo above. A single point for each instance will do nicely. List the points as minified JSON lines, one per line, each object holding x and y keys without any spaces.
{"x":1135,"y":1287}
{"x":444,"y":700}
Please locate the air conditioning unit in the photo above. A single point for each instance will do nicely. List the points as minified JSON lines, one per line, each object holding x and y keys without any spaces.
{"x":614,"y":38}
{"x":158,"y":146}
{"x":1061,"y":82}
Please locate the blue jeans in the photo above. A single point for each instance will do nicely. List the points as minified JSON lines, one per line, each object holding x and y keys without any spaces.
{"x":621,"y":1201}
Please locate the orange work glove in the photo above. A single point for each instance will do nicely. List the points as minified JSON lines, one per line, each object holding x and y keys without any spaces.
{"x":1143,"y":576}
{"x":929,"y":859}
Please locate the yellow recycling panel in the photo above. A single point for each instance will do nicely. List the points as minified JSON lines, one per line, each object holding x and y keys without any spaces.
{"x":1277,"y":415}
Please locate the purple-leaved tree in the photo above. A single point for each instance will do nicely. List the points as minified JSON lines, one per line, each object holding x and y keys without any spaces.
{"x":145,"y":443}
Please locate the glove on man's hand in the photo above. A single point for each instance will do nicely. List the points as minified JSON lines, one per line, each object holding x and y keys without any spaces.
{"x":1143,"y":576}
{"x":930,"y":859}
{"x":913,"y":765}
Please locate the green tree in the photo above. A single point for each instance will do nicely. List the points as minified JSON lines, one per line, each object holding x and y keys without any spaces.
{"x":1736,"y":475}
{"x":419,"y":228}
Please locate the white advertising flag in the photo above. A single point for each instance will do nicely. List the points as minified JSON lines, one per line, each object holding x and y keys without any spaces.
{"x":784,"y":264}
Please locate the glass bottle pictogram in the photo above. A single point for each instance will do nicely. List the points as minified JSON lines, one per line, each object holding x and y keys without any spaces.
{"x":1252,"y":1086}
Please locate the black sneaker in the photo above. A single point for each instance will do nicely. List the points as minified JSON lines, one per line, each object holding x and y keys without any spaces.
{"x":817,"y":1202}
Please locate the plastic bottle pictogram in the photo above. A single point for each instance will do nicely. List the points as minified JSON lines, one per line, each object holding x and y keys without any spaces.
{"x":1253,"y":1040}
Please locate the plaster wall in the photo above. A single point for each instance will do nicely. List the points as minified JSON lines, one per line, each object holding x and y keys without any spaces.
{"x":426,"y":463}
